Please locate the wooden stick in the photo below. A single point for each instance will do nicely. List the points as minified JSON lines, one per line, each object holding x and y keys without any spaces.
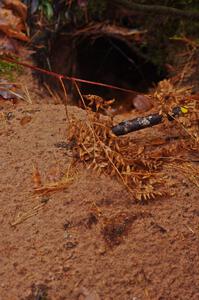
{"x":144,"y":122}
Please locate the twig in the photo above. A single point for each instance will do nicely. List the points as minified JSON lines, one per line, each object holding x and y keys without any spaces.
{"x":90,"y":122}
{"x":143,"y":122}
{"x":66,"y":98}
{"x":159,"y":10}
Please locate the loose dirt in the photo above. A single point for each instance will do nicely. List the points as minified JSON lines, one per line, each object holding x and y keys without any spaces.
{"x":90,"y":240}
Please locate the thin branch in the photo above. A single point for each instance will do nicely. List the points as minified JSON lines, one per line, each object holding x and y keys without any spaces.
{"x":65,"y":98}
{"x":144,"y":122}
{"x":159,"y":10}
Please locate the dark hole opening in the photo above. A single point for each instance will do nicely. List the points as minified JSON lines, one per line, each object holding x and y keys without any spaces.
{"x":111,"y":61}
{"x":105,"y":59}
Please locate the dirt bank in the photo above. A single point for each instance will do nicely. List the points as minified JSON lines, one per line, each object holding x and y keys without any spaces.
{"x":90,"y":240}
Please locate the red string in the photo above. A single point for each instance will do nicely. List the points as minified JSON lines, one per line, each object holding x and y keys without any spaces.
{"x":67,"y":77}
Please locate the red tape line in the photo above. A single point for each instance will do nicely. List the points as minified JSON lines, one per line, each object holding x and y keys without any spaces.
{"x":60,"y":76}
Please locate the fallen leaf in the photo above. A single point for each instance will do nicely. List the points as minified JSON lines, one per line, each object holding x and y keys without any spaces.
{"x":12,"y":19}
{"x":25,"y":120}
{"x":17,"y":7}
{"x":36,"y":177}
{"x":5,"y":87}
{"x":142,"y":103}
{"x":84,"y":294}
{"x":54,"y":173}
{"x":7,"y":45}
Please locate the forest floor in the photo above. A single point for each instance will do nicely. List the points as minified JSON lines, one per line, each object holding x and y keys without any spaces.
{"x":54,"y":246}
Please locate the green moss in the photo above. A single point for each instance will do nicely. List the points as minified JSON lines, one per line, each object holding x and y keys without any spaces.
{"x":9,"y":70}
{"x":46,"y":6}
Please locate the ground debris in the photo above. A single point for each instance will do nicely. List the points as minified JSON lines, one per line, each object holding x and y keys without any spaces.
{"x":84,"y":294}
{"x":116,"y":227}
{"x":70,"y":245}
{"x":38,"y":292}
{"x":65,"y":145}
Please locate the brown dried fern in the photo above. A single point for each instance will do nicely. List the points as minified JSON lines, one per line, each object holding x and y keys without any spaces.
{"x":136,"y":165}
{"x":102,"y":151}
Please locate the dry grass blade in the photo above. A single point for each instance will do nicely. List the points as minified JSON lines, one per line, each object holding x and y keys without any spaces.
{"x":189,"y":171}
{"x":43,"y":190}
{"x":51,"y":187}
{"x":54,"y":187}
{"x":24,"y":216}
{"x":36,"y":176}
{"x":65,"y":98}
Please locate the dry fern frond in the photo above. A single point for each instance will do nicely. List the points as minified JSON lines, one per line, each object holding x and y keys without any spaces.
{"x":137,"y":163}
{"x":53,"y":187}
{"x":21,"y":217}
{"x":167,"y":96}
{"x":104,"y":152}
{"x":98,"y":102}
{"x":189,"y":171}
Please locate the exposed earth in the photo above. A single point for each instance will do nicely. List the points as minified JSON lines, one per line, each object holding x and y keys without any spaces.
{"x":57,"y":246}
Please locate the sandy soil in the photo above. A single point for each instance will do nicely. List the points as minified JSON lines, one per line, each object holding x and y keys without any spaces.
{"x":63,"y":250}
